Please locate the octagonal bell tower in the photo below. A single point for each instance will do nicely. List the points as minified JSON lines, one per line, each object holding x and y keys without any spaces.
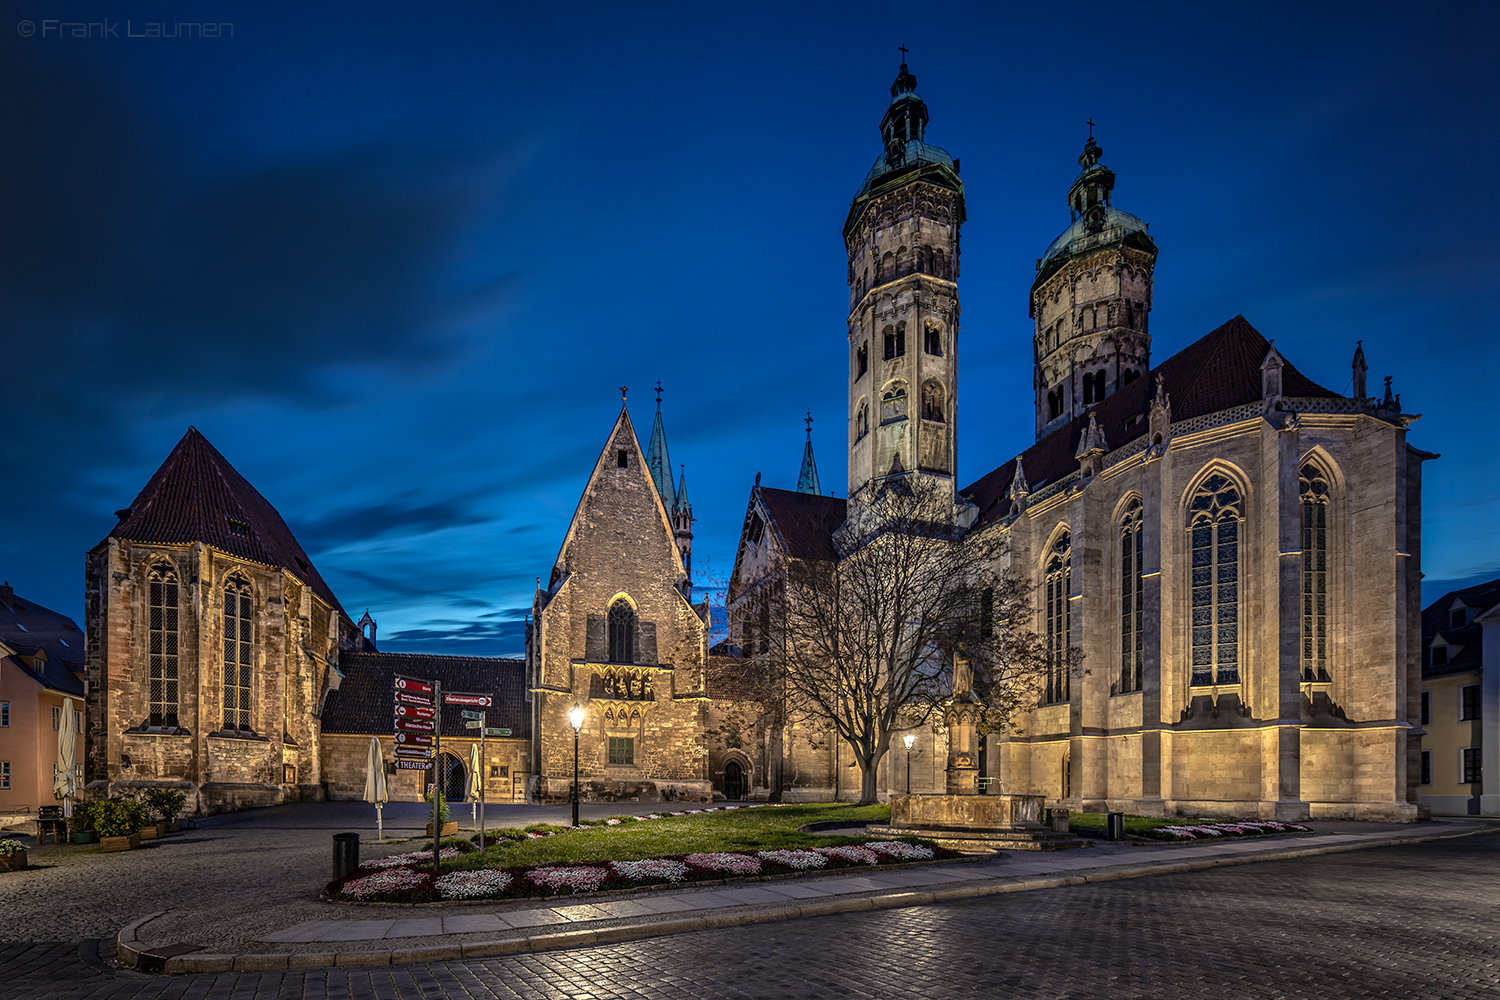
{"x":901,"y":237}
{"x":1090,"y":300}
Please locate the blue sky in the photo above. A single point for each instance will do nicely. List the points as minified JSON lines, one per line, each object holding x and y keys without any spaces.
{"x":394,"y":260}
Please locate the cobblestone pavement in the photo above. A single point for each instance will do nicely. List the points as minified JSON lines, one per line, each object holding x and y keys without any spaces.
{"x":1416,"y":920}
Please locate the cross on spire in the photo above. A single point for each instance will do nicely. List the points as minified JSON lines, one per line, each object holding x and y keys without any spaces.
{"x":658,"y":390}
{"x":902,"y":47}
{"x":1090,"y":124}
{"x":808,"y":420}
{"x":623,"y":390}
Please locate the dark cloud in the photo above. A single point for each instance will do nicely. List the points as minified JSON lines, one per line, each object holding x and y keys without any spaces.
{"x":1432,"y":589}
{"x":359,"y":524}
{"x":460,"y":637}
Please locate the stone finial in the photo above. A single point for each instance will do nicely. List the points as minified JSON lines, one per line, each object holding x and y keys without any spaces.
{"x":1092,"y":441}
{"x":1019,"y":489}
{"x":1360,"y":368}
{"x":1270,"y":373}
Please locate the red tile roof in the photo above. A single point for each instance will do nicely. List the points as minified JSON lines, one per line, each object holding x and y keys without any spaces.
{"x":197,"y":496}
{"x":1220,"y":370}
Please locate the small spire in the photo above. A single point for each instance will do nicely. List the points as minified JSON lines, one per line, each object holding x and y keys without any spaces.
{"x":658,"y":462}
{"x":682,"y":497}
{"x":1018,"y":486}
{"x":807,"y":479}
{"x":1360,"y":368}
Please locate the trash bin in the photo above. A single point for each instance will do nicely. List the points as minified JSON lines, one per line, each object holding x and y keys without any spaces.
{"x":345,"y":854}
{"x":1115,"y":826}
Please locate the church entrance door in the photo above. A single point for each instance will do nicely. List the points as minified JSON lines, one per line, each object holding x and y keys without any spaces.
{"x":454,"y":773}
{"x":734,"y":781}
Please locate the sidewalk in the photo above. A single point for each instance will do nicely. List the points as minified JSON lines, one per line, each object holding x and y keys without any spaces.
{"x":439,"y":932}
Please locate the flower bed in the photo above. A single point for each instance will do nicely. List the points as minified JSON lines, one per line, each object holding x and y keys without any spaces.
{"x":405,"y":878}
{"x":1198,"y":831}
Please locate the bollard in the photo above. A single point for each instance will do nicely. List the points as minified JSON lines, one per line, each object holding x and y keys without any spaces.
{"x":1115,"y":826}
{"x":345,"y":854}
{"x":1058,"y":819}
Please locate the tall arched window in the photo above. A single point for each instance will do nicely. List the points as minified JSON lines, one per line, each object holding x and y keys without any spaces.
{"x":621,"y":632}
{"x":162,"y":583}
{"x":1314,"y":574}
{"x":862,"y":420}
{"x":239,"y":650}
{"x":932,"y":402}
{"x":1214,"y":532}
{"x":932,"y":340}
{"x":862,"y":357}
{"x":1132,"y":600}
{"x":1059,"y":617}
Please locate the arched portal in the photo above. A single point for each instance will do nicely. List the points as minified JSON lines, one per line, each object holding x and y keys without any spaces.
{"x":454,"y":777}
{"x":734,"y":781}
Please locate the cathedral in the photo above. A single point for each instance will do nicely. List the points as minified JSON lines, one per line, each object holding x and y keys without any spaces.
{"x":1233,"y":549}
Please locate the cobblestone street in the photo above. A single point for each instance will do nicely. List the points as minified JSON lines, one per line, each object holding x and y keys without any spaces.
{"x":1416,"y":920}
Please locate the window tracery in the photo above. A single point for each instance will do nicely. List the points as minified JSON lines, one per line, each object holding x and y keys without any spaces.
{"x":1132,"y":599}
{"x":1314,"y":490}
{"x":1057,"y":586}
{"x":163,"y":639}
{"x":1213,"y":528}
{"x":239,"y":643}
{"x":621,"y":632}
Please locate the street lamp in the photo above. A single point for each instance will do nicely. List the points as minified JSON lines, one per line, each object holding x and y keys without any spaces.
{"x":908,"y":739}
{"x":575,"y":716}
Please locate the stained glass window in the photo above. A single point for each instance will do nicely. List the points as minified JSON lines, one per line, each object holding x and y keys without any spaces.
{"x":1314,"y":486}
{"x":239,"y":644}
{"x":1132,"y":600}
{"x":162,"y":637}
{"x":1059,"y":618}
{"x":1214,"y":534}
{"x":621,"y":632}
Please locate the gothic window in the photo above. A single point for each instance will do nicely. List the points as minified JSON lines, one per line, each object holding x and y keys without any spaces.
{"x":621,"y":632}
{"x":862,"y":357}
{"x":862,"y":420}
{"x":890,"y":342}
{"x":162,"y":583}
{"x":895,"y":341}
{"x":932,"y":402}
{"x":1132,"y":600}
{"x":1059,"y":618}
{"x":1093,"y":387}
{"x":1314,"y":487}
{"x":1214,"y":533}
{"x":933,"y":341}
{"x":239,"y":645}
{"x":893,"y":404}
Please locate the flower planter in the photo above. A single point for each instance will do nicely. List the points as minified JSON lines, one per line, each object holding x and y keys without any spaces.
{"x":149,"y":833}
{"x":129,"y":843}
{"x":12,"y":862}
{"x":449,"y":828}
{"x":83,"y":836}
{"x":172,"y":826}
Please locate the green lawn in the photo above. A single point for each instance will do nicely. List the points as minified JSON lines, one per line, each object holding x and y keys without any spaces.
{"x":761,"y":829}
{"x":1094,"y":824}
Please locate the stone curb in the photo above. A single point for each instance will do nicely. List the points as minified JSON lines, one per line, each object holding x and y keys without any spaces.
{"x":128,"y":945}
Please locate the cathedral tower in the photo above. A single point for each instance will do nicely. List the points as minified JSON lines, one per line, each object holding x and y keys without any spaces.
{"x":1090,"y":300}
{"x":901,"y":237}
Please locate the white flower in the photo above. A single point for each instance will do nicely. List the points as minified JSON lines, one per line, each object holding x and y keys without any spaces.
{"x":735,"y":864}
{"x":795,"y":859}
{"x":582,"y":878}
{"x":651,"y":869}
{"x":381,"y":883}
{"x":472,"y":884}
{"x":900,"y":849}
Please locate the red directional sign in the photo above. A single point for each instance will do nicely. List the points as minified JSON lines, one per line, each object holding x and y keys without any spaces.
{"x":413,"y":739}
{"x":423,"y":752}
{"x":413,"y":725}
{"x":407,"y":698}
{"x":413,"y":685}
{"x":480,"y":700}
{"x":415,"y":712}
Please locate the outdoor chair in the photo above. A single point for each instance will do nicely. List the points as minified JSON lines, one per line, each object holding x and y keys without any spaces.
{"x":49,"y":820}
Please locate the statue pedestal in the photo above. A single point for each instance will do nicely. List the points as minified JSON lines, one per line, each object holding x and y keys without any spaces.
{"x":975,"y":824}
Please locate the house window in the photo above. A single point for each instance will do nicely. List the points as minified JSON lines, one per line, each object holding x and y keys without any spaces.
{"x":1426,"y":767}
{"x":1214,"y":532}
{"x":239,"y":639}
{"x":163,"y":636}
{"x":4,"y":774}
{"x":288,"y":774}
{"x":56,"y":717}
{"x":1132,"y":599}
{"x":1458,"y":618}
{"x":1470,"y":763}
{"x":1468,"y":703}
{"x":1425,"y":716}
{"x":1314,"y":574}
{"x":622,"y":750}
{"x":4,"y":715}
{"x":862,"y":357}
{"x":621,"y":632}
{"x":1439,"y":656}
{"x":1059,"y":618}
{"x":932,"y":342}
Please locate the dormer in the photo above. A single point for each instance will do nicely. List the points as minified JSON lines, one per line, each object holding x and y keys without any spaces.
{"x":1460,"y":614}
{"x":1443,"y":652}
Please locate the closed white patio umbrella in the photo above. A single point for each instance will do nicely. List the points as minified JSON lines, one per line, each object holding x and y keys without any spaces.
{"x":476,"y":786}
{"x":65,"y":772}
{"x":375,"y":792}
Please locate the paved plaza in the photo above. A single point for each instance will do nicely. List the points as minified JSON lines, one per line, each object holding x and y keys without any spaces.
{"x":1417,"y":919}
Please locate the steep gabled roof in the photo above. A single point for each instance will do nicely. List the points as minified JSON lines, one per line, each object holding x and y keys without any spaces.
{"x":1437,"y":619}
{"x":197,"y":496}
{"x":362,"y":704}
{"x":805,"y":522}
{"x":26,"y":626}
{"x":1218,"y":371}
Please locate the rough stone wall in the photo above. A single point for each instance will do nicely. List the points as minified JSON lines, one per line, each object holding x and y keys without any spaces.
{"x":345,"y":762}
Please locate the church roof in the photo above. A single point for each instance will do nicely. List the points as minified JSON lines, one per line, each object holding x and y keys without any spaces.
{"x":1220,"y":370}
{"x":1437,"y":620}
{"x":362,"y":703}
{"x":658,"y":463}
{"x":804,"y":521}
{"x":807,"y":479}
{"x":197,"y":496}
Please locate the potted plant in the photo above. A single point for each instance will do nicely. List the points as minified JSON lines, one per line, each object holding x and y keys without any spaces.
{"x":118,"y":823}
{"x":166,"y":803}
{"x":12,"y":855}
{"x":82,"y":823}
{"x":448,"y":828}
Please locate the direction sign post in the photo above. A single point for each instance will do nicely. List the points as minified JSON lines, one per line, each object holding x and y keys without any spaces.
{"x":497,"y":732}
{"x":471,"y":715}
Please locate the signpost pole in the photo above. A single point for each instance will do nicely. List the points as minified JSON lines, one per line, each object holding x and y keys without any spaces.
{"x":484,"y":721}
{"x":437,"y":777}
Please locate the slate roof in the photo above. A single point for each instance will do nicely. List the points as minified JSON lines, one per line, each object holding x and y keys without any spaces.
{"x":26,"y":626}
{"x":805,"y":521}
{"x":1436,"y":619}
{"x":197,"y":496}
{"x":363,"y":702}
{"x":1218,"y":371}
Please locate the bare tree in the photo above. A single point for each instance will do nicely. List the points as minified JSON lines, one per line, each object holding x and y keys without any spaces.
{"x":869,"y":642}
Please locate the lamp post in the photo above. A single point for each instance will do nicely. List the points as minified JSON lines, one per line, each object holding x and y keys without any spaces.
{"x":908,"y":739}
{"x":575,"y":716}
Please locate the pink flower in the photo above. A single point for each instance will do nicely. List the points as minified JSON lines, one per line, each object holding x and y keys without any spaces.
{"x":734,"y":864}
{"x":582,"y":878}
